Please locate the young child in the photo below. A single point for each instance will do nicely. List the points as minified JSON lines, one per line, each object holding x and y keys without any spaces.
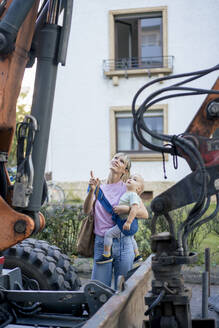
{"x":135,"y":186}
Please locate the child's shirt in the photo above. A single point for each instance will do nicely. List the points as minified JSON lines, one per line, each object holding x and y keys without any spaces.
{"x":129,"y":198}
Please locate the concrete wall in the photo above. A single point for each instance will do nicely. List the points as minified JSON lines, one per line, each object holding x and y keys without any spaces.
{"x":77,"y":190}
{"x":80,"y":133}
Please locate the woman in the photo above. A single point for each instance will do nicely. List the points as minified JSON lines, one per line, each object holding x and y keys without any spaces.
{"x":122,"y":249}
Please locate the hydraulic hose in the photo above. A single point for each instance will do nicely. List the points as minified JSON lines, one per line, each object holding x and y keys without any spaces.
{"x":3,"y":181}
{"x":138,"y":115}
{"x":157,"y":301}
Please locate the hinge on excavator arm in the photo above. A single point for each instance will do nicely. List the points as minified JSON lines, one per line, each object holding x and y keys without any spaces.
{"x":23,"y":23}
{"x":213,"y":110}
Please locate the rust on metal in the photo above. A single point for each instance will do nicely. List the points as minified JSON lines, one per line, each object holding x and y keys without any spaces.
{"x":8,"y":237}
{"x":11,"y":74}
{"x":201,"y":125}
{"x":42,"y":221}
{"x":12,"y":68}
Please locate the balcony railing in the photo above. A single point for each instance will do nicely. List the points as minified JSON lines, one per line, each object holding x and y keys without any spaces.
{"x":137,"y":63}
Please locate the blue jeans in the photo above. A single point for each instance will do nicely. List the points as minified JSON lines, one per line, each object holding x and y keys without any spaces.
{"x":123,"y":256}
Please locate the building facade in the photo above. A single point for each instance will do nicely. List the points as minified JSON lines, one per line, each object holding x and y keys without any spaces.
{"x":115,"y":47}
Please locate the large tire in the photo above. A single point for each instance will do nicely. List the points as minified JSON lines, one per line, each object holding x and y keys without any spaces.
{"x":42,"y":266}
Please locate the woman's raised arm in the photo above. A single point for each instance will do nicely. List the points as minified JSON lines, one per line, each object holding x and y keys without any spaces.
{"x":89,"y":200}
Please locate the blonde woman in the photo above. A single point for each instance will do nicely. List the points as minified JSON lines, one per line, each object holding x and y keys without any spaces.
{"x":122,"y":249}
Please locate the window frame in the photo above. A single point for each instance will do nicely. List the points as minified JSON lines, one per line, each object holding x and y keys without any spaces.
{"x":112,"y":39}
{"x":136,"y":156}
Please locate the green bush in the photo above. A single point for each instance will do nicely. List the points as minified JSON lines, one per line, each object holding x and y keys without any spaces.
{"x":62,"y":227}
{"x":196,"y":237}
{"x":143,"y":238}
{"x":215,"y":224}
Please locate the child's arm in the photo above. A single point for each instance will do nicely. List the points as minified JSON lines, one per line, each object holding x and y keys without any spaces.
{"x":142,"y":212}
{"x":121,"y":209}
{"x":132,"y":214}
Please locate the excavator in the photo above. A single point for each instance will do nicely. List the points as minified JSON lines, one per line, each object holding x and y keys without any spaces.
{"x":38,"y":285}
{"x":169,"y":300}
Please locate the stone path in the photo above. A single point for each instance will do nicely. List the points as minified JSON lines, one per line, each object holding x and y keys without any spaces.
{"x":194,"y":274}
{"x":196,"y":301}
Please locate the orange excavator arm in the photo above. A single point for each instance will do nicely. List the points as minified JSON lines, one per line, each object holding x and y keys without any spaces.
{"x":19,"y":226}
{"x":198,"y":146}
{"x":29,"y":30}
{"x":202,"y":128}
{"x":12,"y":69}
{"x":205,"y":123}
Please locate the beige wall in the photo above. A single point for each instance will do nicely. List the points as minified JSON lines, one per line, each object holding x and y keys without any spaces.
{"x":78,"y":190}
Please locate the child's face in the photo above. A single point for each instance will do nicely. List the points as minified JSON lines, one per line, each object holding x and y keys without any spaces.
{"x":134,"y":183}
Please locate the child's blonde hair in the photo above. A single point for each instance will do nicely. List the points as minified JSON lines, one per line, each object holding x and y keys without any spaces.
{"x":127,"y":160}
{"x":140,"y":182}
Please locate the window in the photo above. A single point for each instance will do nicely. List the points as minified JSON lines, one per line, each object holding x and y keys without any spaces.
{"x":126,"y":140}
{"x":138,"y":42}
{"x":123,"y":138}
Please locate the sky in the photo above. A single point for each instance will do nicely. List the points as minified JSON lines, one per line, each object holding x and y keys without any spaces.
{"x":28,"y":83}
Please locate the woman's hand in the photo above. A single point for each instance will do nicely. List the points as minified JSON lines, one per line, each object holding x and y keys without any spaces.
{"x":93,"y":182}
{"x":121,"y":209}
{"x":142,"y":212}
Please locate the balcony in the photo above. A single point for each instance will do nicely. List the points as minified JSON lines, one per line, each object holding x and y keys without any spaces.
{"x":137,"y":66}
